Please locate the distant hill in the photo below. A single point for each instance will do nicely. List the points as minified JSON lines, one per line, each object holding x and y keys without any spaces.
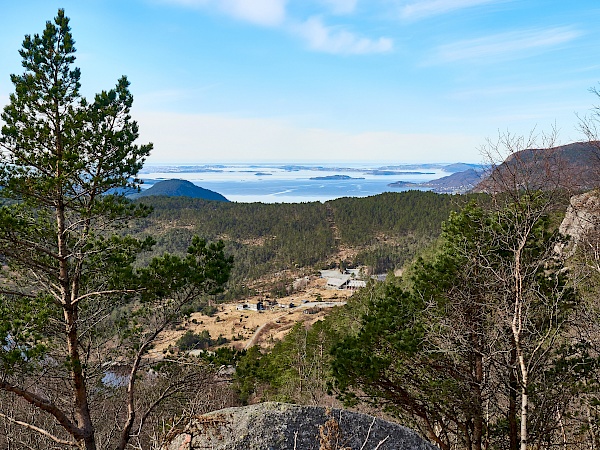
{"x":457,"y":183}
{"x":180,"y":188}
{"x":460,"y":167}
{"x":573,"y":167}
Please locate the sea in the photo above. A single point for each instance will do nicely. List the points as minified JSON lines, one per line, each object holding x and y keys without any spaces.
{"x":294,"y":183}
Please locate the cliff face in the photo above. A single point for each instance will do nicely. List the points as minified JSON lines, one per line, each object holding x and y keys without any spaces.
{"x":280,"y":426}
{"x":582,"y":217}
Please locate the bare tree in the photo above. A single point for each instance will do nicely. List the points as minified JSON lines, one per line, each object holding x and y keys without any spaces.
{"x":529,"y":182}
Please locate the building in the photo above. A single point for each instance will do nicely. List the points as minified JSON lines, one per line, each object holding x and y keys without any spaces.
{"x":337,"y":283}
{"x":258,"y":306}
{"x":354,"y":285}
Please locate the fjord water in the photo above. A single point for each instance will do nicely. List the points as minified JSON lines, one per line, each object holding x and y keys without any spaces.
{"x":293,"y":183}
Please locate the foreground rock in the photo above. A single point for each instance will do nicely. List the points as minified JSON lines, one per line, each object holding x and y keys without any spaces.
{"x":281,"y":426}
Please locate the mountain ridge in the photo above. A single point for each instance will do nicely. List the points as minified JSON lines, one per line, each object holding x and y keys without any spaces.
{"x":572,"y":167}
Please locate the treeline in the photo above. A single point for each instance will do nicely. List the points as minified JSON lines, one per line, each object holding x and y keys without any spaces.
{"x":420,"y":213}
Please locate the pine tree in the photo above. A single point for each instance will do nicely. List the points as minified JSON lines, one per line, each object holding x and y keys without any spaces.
{"x":73,"y":300}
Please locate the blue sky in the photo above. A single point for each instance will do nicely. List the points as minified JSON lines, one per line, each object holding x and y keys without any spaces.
{"x":388,"y":81}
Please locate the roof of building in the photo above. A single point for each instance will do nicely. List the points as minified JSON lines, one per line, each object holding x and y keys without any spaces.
{"x":333,"y":273}
{"x":336,"y":282}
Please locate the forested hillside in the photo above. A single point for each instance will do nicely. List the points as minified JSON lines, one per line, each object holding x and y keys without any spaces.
{"x":382,"y":232}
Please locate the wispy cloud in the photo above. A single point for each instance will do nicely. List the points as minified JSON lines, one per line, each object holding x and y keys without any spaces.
{"x":426,"y":8}
{"x":505,"y":45}
{"x":341,"y":6}
{"x":318,"y":36}
{"x":340,"y":41}
{"x":151,"y":99}
{"x":258,"y":12}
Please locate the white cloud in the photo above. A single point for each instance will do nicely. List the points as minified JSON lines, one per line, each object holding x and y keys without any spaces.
{"x":331,"y":40}
{"x":341,"y":6}
{"x":505,"y":45}
{"x":258,"y":12}
{"x":318,"y":36}
{"x":426,"y":8}
{"x":200,"y":138}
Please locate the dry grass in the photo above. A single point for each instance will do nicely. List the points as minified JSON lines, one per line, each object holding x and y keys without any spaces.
{"x":240,"y":327}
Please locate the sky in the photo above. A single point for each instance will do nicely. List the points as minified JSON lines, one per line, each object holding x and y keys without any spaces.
{"x":331,"y":81}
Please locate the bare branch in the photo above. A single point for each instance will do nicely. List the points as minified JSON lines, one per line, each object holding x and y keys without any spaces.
{"x":44,"y":405}
{"x":368,"y":434}
{"x":40,"y":430}
{"x":108,"y":292}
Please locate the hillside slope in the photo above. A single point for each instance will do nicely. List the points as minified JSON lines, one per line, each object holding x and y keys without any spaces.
{"x":382,"y":232}
{"x":456,"y":183}
{"x":573,"y":167}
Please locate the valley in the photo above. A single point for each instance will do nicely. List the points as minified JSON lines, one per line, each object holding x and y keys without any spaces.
{"x":246,"y":328}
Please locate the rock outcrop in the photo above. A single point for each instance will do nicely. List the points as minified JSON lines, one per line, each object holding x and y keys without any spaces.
{"x":582,"y":217}
{"x":281,"y":426}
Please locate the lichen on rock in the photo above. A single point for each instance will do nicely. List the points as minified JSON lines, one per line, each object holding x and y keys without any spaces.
{"x":282,"y":426}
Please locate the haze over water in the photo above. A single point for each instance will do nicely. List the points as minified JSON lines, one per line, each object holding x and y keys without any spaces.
{"x":290,"y":183}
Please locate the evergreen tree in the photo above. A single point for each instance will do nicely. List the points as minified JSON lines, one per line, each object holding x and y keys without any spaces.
{"x":463,"y":337}
{"x":73,"y":300}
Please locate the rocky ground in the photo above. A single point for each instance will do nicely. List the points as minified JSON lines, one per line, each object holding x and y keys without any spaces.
{"x":281,"y":426}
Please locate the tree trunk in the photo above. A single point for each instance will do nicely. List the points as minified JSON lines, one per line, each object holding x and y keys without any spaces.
{"x":512,"y":402}
{"x":90,"y":443}
{"x":591,"y":424}
{"x":478,"y":416}
{"x":82,"y":411}
{"x":70,"y":314}
{"x":468,"y":439}
{"x":524,"y":410}
{"x":517,"y":329}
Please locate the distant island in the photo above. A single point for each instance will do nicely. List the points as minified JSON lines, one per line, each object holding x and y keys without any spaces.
{"x":336,"y":177}
{"x":179,"y":188}
{"x":405,"y":184}
{"x":274,"y":182}
{"x":394,"y":172}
